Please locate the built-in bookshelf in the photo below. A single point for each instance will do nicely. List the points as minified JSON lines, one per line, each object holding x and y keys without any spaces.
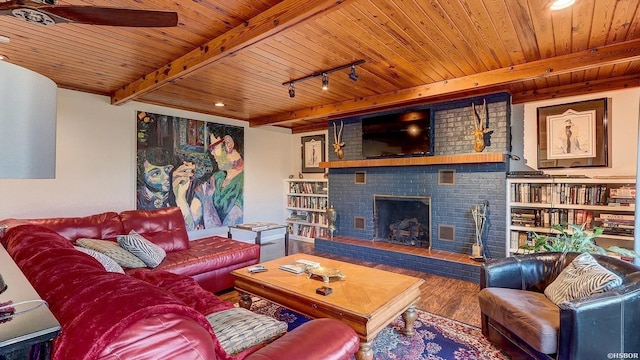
{"x":306,"y":204}
{"x":535,"y":205}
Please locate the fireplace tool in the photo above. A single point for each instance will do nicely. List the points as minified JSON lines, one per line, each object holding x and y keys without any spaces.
{"x":479,"y":213}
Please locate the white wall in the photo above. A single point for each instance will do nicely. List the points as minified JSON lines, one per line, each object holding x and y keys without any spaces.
{"x":623,"y":126}
{"x":296,"y":151}
{"x":96,"y":165}
{"x":517,"y":139}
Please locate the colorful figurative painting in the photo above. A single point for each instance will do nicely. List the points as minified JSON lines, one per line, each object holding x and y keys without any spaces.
{"x":195,"y":165}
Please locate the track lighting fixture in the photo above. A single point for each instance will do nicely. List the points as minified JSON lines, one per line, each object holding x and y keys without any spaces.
{"x":325,"y":76}
{"x":292,"y":90}
{"x":352,"y":75}
{"x":325,"y":81}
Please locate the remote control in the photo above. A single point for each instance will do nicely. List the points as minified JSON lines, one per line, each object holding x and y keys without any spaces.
{"x":256,"y":269}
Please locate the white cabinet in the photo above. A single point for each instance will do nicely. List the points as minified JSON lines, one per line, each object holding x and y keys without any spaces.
{"x":306,"y":205}
{"x":536,"y":204}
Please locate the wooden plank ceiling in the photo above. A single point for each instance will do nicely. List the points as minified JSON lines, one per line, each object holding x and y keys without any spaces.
{"x":415,"y":51}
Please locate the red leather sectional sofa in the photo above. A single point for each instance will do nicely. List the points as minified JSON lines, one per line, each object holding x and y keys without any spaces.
{"x":209,"y":260}
{"x":149,"y":314}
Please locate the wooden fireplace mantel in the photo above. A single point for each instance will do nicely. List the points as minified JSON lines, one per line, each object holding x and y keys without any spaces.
{"x":473,"y":158}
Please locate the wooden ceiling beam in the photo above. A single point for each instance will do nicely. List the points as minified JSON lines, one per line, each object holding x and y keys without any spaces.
{"x":586,"y":87}
{"x":317,"y":125}
{"x":280,"y":17}
{"x":582,"y":60}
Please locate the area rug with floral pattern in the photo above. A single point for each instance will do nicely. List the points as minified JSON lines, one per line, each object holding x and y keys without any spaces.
{"x":436,"y":337}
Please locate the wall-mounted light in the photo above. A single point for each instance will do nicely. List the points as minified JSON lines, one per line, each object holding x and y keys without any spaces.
{"x":325,"y":81}
{"x":325,"y":76}
{"x":28,"y":111}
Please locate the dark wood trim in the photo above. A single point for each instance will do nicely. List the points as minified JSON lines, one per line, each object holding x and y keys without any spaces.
{"x":474,"y":158}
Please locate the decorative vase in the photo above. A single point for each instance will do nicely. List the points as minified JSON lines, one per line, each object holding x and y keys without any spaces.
{"x":332,"y":215}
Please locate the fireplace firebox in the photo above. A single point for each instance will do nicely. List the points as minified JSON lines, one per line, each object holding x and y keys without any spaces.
{"x":404,"y":220}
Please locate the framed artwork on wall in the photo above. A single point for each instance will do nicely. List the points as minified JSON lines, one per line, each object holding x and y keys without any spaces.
{"x":312,"y":153}
{"x":574,"y":134}
{"x":195,"y":165}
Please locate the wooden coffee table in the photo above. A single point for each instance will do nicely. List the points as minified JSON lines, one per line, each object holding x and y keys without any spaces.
{"x":366,"y":299}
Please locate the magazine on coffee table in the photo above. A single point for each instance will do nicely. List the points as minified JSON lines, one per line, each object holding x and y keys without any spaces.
{"x":299,"y":266}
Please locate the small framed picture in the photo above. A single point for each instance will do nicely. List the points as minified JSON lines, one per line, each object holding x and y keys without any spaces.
{"x":574,"y":135}
{"x":312,"y":153}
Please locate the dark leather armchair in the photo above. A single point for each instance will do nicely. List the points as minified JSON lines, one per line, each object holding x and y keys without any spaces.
{"x":518,"y":318}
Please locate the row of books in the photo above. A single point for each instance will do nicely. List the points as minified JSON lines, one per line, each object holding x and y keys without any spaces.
{"x":614,"y":224}
{"x":576,"y":194}
{"x":519,"y":238}
{"x":550,"y":217}
{"x":623,"y":196}
{"x":308,"y":216}
{"x":307,"y":202}
{"x":310,"y":231}
{"x":308,"y":188}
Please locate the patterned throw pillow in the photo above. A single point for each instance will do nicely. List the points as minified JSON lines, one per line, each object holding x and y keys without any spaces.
{"x":108,"y":263}
{"x":239,"y":329}
{"x":583,"y":277}
{"x":150,"y":253}
{"x":112,"y":250}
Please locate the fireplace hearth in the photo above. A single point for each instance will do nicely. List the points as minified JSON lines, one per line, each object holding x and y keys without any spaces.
{"x":404,"y":220}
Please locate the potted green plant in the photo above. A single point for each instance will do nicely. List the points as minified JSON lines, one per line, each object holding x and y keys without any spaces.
{"x":573,"y":238}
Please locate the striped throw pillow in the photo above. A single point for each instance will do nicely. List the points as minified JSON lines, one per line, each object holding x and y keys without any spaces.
{"x":583,"y":277}
{"x":108,"y":263}
{"x":150,"y":253}
{"x":239,"y":329}
{"x":112,"y":250}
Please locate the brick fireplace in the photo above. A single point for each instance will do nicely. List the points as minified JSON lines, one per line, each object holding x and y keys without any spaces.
{"x":402,"y":220}
{"x":450,"y":224}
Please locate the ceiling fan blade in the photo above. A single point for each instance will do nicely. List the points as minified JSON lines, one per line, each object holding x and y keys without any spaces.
{"x":8,"y":5}
{"x":95,"y":15}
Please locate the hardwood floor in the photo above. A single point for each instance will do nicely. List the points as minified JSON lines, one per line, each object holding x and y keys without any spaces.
{"x":452,"y":298}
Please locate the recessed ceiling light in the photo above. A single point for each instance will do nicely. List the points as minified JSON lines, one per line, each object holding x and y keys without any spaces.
{"x":219,"y":104}
{"x":561,"y":4}
{"x":4,"y":39}
{"x":4,"y":57}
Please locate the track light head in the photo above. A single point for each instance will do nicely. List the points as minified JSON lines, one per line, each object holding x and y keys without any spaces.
{"x":323,"y":73}
{"x":352,"y":75}
{"x":292,"y":90}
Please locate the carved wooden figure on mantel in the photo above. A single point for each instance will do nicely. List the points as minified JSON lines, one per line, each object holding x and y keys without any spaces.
{"x":480,"y":130}
{"x":337,"y":140}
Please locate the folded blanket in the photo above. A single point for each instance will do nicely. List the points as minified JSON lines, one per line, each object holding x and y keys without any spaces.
{"x":186,"y":289}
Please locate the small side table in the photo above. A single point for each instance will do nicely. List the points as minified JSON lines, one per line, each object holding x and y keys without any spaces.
{"x":37,"y":327}
{"x":258,"y":228}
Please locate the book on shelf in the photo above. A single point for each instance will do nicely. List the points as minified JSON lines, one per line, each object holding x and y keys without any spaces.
{"x":318,"y":188}
{"x":617,"y":224}
{"x":298,"y":266}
